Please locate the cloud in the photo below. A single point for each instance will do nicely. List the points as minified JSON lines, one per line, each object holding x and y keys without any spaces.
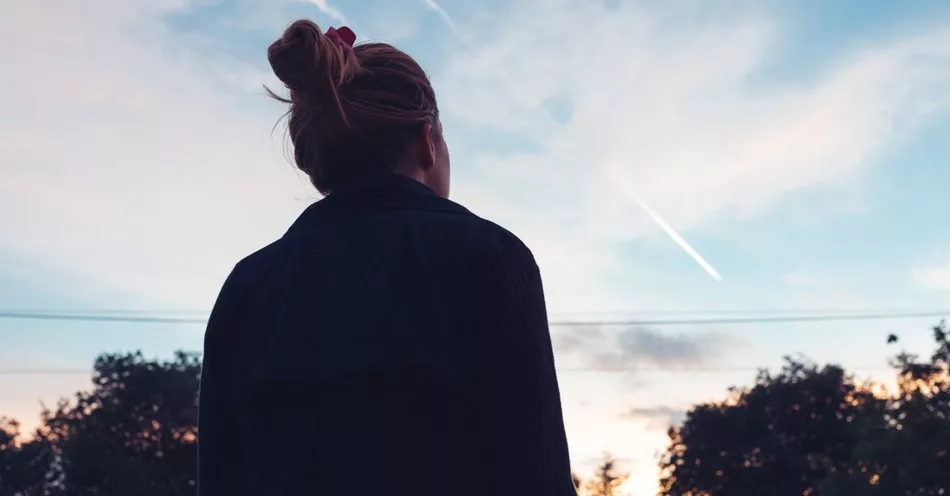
{"x":933,"y":278}
{"x":799,"y":279}
{"x":137,"y":169}
{"x":640,"y":345}
{"x":635,"y":348}
{"x":435,"y":7}
{"x":683,"y":104}
{"x":143,"y":161}
{"x":657,"y":417}
{"x":329,"y":10}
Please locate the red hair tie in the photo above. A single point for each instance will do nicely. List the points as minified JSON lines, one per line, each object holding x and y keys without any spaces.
{"x":344,"y":36}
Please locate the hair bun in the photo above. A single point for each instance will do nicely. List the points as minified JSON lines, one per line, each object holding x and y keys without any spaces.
{"x":297,"y":57}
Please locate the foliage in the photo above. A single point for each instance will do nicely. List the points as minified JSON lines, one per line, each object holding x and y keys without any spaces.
{"x":813,"y":430}
{"x":808,"y":429}
{"x":606,"y":480}
{"x":133,"y":433}
{"x":24,"y":464}
{"x":906,"y":450}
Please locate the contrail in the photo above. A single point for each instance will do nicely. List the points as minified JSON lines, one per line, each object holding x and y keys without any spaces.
{"x":669,"y":231}
{"x":433,"y":5}
{"x":678,"y":239}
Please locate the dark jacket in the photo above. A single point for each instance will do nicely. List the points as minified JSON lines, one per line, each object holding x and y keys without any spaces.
{"x":391,"y":343}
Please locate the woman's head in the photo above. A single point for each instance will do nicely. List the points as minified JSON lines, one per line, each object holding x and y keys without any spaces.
{"x":358,"y":110}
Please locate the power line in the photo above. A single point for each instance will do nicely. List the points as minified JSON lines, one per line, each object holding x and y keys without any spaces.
{"x":154,"y":319}
{"x":46,"y":371}
{"x":592,"y":323}
{"x":651,"y":369}
{"x":102,"y":318}
{"x":760,"y":311}
{"x":107,"y":311}
{"x":771,"y":311}
{"x":756,"y":320}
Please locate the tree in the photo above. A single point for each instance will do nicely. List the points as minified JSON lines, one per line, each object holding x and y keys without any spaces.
{"x":905,"y":447}
{"x":921,"y":420}
{"x":606,"y":480}
{"x":24,"y":465}
{"x":778,"y":437}
{"x":811,"y":430}
{"x":134,"y":433}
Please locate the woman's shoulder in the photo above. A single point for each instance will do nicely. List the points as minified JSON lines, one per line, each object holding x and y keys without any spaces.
{"x":243,"y":272}
{"x":486,"y":237}
{"x":494,"y":242}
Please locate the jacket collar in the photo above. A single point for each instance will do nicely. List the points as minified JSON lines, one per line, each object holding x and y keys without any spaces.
{"x":381,"y":192}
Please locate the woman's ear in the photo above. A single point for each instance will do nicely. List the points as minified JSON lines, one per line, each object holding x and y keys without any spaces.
{"x":428,"y":146}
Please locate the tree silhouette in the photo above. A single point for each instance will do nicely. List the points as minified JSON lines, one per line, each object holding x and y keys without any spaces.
{"x":813,"y":430}
{"x":606,"y":480}
{"x":923,"y":414}
{"x":808,"y":429}
{"x":905,"y":447}
{"x":134,"y":433}
{"x":24,"y":464}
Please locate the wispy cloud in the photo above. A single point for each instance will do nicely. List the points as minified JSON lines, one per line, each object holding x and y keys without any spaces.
{"x":799,"y":279}
{"x":434,"y":6}
{"x":684,"y":104}
{"x":633,"y":348}
{"x":173,"y":236}
{"x":640,"y":345}
{"x":328,"y":10}
{"x":933,"y":278}
{"x":165,"y":205}
{"x":657,"y":417}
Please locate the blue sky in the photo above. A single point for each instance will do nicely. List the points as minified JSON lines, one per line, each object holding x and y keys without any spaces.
{"x":799,"y":146}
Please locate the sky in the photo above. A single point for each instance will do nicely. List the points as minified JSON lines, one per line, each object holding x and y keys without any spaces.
{"x":797,"y":145}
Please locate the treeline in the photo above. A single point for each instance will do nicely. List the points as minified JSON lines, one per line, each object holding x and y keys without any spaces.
{"x":814,"y":430}
{"x":134,"y":433}
{"x":808,"y":429}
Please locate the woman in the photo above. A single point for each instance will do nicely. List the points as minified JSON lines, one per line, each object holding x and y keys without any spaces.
{"x":391,"y":342}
